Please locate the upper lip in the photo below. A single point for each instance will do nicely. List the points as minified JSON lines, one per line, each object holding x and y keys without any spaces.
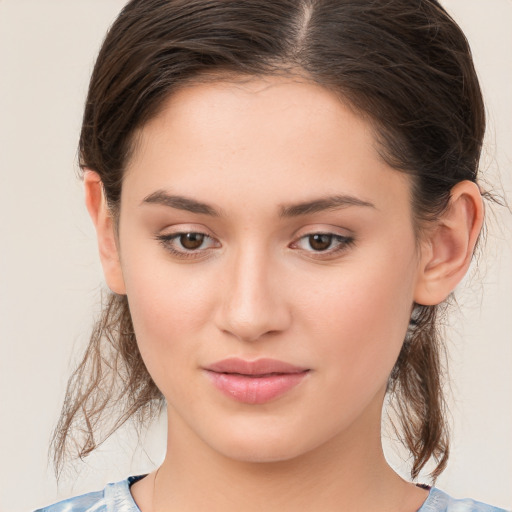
{"x":262,"y":366}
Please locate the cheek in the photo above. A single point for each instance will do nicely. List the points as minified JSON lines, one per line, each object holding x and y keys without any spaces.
{"x":166,"y":302}
{"x":170,"y":307}
{"x":360,"y":318}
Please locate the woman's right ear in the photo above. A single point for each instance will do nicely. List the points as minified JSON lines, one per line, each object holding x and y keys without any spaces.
{"x":105,"y":231}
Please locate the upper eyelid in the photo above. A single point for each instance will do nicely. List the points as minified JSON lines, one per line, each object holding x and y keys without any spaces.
{"x":165,"y":233}
{"x":324,"y":231}
{"x":324,"y":228}
{"x":297,"y":237}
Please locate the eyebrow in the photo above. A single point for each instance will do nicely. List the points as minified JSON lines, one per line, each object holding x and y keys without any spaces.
{"x":181,"y":203}
{"x":334,"y":202}
{"x":321,"y":204}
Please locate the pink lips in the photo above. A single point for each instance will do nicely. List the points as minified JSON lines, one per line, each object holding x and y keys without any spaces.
{"x":254,"y":382}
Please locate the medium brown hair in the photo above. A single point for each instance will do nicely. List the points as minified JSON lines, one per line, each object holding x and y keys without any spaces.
{"x":404,"y":65}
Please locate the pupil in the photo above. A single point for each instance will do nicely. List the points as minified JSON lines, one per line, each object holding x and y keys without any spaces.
{"x":320,"y":242}
{"x":191,"y":240}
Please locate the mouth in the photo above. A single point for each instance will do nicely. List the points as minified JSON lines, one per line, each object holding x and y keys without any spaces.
{"x":254,"y":382}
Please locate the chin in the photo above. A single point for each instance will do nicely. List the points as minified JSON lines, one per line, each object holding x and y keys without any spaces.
{"x":269,"y":448}
{"x":262,"y":455}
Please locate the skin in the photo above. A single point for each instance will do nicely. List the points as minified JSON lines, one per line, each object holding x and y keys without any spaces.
{"x":258,"y":287}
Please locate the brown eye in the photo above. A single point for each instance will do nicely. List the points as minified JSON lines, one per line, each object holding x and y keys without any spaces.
{"x":324,"y":244}
{"x":191,"y":241}
{"x":320,"y":242}
{"x":188,"y":244}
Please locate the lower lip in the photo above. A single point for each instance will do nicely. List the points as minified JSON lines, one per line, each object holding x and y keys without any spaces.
{"x":255,"y":390}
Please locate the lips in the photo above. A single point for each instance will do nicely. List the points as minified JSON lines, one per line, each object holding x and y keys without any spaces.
{"x":254,"y":382}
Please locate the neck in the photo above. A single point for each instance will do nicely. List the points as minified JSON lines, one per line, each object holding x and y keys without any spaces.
{"x":348,"y":472}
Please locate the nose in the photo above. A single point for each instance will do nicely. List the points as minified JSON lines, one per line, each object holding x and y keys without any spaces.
{"x":252,"y":302}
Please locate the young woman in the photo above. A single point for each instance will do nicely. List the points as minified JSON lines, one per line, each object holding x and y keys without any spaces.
{"x":285,"y":195}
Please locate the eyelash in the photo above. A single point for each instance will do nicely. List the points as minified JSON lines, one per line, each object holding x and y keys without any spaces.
{"x":166,"y":241}
{"x":344,"y":242}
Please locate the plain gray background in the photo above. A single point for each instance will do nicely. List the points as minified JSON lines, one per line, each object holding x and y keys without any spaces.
{"x":50,"y":278}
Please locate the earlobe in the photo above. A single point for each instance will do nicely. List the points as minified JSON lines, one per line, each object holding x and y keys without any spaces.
{"x":105,"y":231}
{"x":447,"y":251}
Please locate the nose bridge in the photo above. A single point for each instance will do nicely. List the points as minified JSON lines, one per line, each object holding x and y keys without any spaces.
{"x":252,"y":305}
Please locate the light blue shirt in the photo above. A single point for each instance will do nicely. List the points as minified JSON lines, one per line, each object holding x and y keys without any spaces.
{"x":117,"y":498}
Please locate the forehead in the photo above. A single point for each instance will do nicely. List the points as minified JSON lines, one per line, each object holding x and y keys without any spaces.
{"x":276,"y":136}
{"x":218,"y":113}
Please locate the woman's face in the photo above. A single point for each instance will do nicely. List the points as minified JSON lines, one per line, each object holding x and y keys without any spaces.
{"x":270,"y":264}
